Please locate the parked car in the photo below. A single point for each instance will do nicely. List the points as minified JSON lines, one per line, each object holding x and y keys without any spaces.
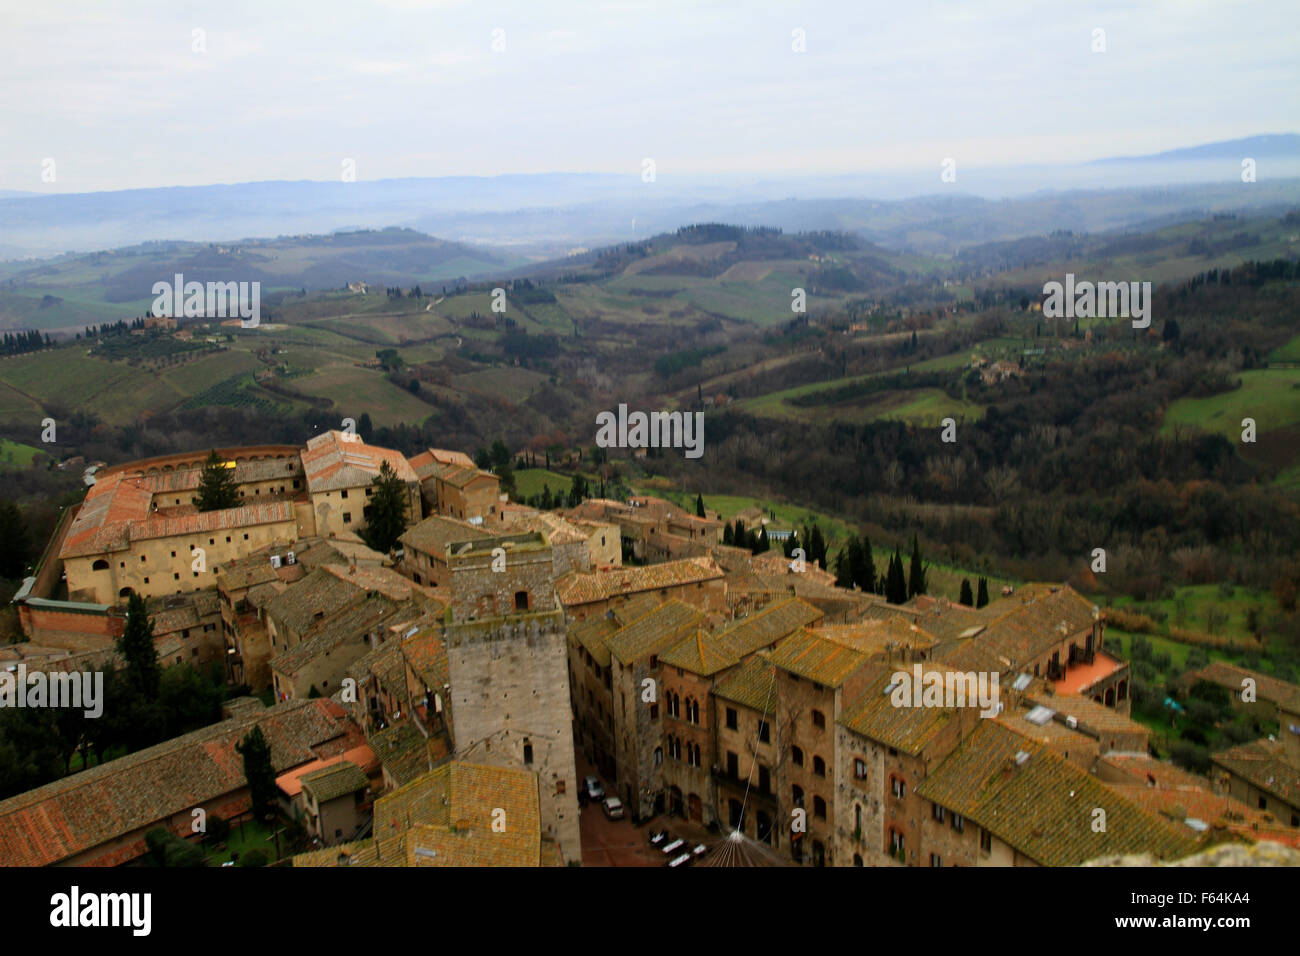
{"x":594,"y":789}
{"x":674,"y":847}
{"x":700,"y":850}
{"x":658,"y":837}
{"x":614,"y":808}
{"x":683,"y":860}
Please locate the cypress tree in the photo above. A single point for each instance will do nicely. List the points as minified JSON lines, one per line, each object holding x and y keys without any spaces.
{"x":259,"y":772}
{"x":699,"y":506}
{"x":868,"y":580}
{"x":983,"y":597}
{"x":388,"y":507}
{"x":916,"y":573}
{"x":728,"y":536}
{"x":966,"y":597}
{"x":216,"y":485}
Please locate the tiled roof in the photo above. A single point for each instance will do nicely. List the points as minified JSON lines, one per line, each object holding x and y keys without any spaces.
{"x":79,"y":812}
{"x":336,"y":780}
{"x":1094,"y":719}
{"x":351,"y":625}
{"x":433,"y":534}
{"x":593,"y":634}
{"x":750,"y":685}
{"x":873,"y":715}
{"x":704,"y":652}
{"x":317,"y":596}
{"x":463,"y":797}
{"x":403,"y":751}
{"x":588,"y":587}
{"x":655,"y":632}
{"x":875,"y":638}
{"x":1044,"y":805}
{"x":1263,"y":765}
{"x":816,"y":658}
{"x":1045,"y":616}
{"x":1230,"y":676}
{"x":764,"y":628}
{"x":333,"y":461}
{"x":116,"y":511}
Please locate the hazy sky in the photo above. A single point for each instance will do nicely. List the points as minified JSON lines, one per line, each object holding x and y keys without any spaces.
{"x":116,"y":95}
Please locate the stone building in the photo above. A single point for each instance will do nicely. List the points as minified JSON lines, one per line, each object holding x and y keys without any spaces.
{"x":339,"y":470}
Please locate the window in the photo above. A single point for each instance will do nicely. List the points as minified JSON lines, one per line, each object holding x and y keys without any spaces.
{"x":819,"y":720}
{"x":102,"y":565}
{"x":733,"y":765}
{"x":897,"y":787}
{"x":819,"y":766}
{"x":859,"y":769}
{"x":654,"y":711}
{"x":986,"y":841}
{"x":693,"y":708}
{"x":796,"y":756}
{"x":895,"y":842}
{"x":819,"y":808}
{"x":764,"y":732}
{"x":347,"y":517}
{"x":521,"y":600}
{"x":731,"y":718}
{"x":959,"y":823}
{"x":796,"y":795}
{"x":936,"y":860}
{"x":936,"y":811}
{"x":659,"y":756}
{"x":1263,"y":803}
{"x":344,"y":493}
{"x":764,"y":779}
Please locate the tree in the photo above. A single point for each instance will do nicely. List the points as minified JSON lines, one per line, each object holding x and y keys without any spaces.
{"x":578,"y":491}
{"x":728,"y":536}
{"x":259,"y":772}
{"x":388,"y":507}
{"x":866,"y":576}
{"x":167,"y":849}
{"x":966,"y":597}
{"x":143,"y":676}
{"x":699,"y":506}
{"x":896,"y":582}
{"x":817,"y":547}
{"x":983,"y":597}
{"x":762,"y":544}
{"x":15,"y":543}
{"x":217,"y":488}
{"x":843,"y":573}
{"x":916,"y":572}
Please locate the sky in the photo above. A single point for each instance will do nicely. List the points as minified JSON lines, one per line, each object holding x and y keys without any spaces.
{"x":100,"y":95}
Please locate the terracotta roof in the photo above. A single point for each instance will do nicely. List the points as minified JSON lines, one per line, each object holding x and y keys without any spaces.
{"x":875,"y":638}
{"x":588,"y":587}
{"x":1230,"y":676}
{"x":750,"y":685}
{"x":79,"y":812}
{"x":433,"y":535}
{"x":1262,"y":763}
{"x":1094,"y":719}
{"x":593,"y":634}
{"x":872,"y":714}
{"x":403,"y":750}
{"x":705,"y":653}
{"x":827,"y":662}
{"x":1043,"y":806}
{"x":317,"y":596}
{"x":655,"y":632}
{"x":765,"y":627}
{"x":337,"y":780}
{"x":333,"y":461}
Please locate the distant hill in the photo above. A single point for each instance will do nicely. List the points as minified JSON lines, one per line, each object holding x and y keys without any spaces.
{"x":1284,"y":145}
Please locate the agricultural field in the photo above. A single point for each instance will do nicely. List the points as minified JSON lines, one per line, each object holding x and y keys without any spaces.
{"x":1270,"y":396}
{"x":14,"y":455}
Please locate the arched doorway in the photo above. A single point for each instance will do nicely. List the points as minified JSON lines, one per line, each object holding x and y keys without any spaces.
{"x":695,"y":807}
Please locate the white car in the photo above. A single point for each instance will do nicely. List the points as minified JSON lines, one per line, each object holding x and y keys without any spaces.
{"x":614,"y":808}
{"x":595,"y":790}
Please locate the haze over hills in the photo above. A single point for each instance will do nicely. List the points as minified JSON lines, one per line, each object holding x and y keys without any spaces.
{"x":545,"y":215}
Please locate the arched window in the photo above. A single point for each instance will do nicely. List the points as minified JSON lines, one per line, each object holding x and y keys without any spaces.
{"x":819,"y":808}
{"x":99,"y":565}
{"x":796,"y":795}
{"x":125,"y":592}
{"x":796,"y":756}
{"x":528,"y":752}
{"x":819,"y":766}
{"x":695,"y":711}
{"x":659,"y":756}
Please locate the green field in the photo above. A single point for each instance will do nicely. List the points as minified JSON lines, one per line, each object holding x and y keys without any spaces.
{"x":1191,"y":606}
{"x":529,"y":482}
{"x":14,"y":455}
{"x":1270,"y":396}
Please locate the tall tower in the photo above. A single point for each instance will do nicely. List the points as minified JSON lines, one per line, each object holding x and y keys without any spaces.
{"x":507,"y":654}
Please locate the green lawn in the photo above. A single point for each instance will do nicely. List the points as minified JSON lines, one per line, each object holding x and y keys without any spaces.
{"x":529,"y":482}
{"x":15,"y":456}
{"x":1270,"y":396}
